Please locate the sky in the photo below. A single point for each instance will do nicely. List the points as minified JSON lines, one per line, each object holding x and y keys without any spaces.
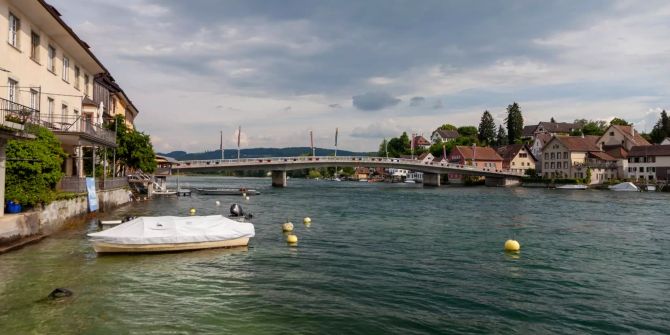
{"x":373,"y":69}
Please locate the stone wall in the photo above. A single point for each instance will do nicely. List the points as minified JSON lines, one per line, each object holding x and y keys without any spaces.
{"x":14,"y":228}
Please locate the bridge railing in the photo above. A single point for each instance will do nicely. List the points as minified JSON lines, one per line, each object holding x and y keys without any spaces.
{"x":260,"y":161}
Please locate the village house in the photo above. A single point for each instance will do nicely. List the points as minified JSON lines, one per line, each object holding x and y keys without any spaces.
{"x":540,"y":140}
{"x":574,"y":156}
{"x":553,"y":128}
{"x":442,"y":135}
{"x":617,"y":141}
{"x":649,"y":163}
{"x":516,"y":158}
{"x":421,"y":142}
{"x":51,"y":73}
{"x":483,"y":157}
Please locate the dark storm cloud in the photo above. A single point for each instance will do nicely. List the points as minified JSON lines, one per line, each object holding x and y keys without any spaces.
{"x":372,"y":101}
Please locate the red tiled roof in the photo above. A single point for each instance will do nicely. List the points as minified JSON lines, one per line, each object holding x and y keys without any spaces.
{"x":649,"y":150}
{"x":637,"y":139}
{"x":508,"y":152}
{"x":602,"y":156}
{"x":615,"y":151}
{"x":447,"y":134}
{"x":424,"y":155}
{"x":480,"y":153}
{"x":420,"y":140}
{"x":578,"y":143}
{"x":550,"y":127}
{"x":544,"y":137}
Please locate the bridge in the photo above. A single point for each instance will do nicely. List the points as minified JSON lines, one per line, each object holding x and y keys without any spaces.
{"x":279,"y":165}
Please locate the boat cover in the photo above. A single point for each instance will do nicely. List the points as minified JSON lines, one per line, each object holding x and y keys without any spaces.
{"x":627,"y":186}
{"x":175,"y":229}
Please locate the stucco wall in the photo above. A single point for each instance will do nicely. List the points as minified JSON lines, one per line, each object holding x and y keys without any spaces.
{"x":54,"y":216}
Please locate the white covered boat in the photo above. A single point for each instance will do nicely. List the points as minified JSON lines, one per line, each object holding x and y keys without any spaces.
{"x":572,"y":187}
{"x":626,"y":186}
{"x":173,"y":233}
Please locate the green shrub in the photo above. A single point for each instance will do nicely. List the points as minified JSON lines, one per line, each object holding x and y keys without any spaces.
{"x":33,"y":168}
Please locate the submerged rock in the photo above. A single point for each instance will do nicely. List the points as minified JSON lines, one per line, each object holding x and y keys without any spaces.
{"x":60,"y":293}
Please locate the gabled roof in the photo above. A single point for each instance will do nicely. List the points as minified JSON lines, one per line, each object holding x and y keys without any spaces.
{"x":649,"y":150}
{"x":550,"y":127}
{"x":602,"y":156}
{"x":544,"y":137}
{"x":578,"y":143}
{"x":424,"y":155}
{"x":615,"y":151}
{"x":627,"y":131}
{"x":447,"y":133}
{"x":508,"y":152}
{"x":420,"y":140}
{"x":480,"y":153}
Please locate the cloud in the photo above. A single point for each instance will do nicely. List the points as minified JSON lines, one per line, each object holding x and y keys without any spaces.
{"x":334,"y":106}
{"x":377,"y":130}
{"x":416,"y":101}
{"x":372,"y":101}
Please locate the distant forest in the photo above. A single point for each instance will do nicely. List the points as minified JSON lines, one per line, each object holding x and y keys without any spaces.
{"x":260,"y":152}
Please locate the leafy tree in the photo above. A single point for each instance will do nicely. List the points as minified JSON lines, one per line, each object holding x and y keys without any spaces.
{"x":134,"y":150}
{"x":661,"y":128}
{"x":487,"y":129}
{"x":589,"y":127}
{"x":467,"y":131}
{"x":552,"y":120}
{"x":34,"y":168}
{"x":447,"y":126}
{"x":589,"y":174}
{"x":382,"y":148}
{"x":619,"y":122}
{"x":514,"y":123}
{"x":501,"y":139}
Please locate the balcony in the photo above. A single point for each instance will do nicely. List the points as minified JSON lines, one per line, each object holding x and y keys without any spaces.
{"x":14,"y":116}
{"x":596,"y":165}
{"x":78,"y":130}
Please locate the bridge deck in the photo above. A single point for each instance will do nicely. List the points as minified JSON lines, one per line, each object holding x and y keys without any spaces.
{"x":306,"y":162}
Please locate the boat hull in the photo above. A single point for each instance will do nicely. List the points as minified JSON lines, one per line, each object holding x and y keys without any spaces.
{"x":105,"y":247}
{"x":225,"y":192}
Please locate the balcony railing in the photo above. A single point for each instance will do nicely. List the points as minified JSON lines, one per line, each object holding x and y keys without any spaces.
{"x":78,"y":185}
{"x":77,"y":124}
{"x":596,"y":165}
{"x":14,"y":115}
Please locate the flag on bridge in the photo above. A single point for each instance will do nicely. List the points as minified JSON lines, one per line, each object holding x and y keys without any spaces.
{"x":336,"y":137}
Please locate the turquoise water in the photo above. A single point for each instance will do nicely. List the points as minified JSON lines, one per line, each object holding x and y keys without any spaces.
{"x":378,"y":258}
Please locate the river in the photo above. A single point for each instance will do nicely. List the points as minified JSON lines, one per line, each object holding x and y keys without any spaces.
{"x":377,"y":259}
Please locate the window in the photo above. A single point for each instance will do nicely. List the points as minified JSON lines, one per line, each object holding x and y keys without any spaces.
{"x":14,"y":26}
{"x":565,"y":155}
{"x":64,"y":113}
{"x":76,"y":77}
{"x":35,"y":46}
{"x":565,"y":165}
{"x":522,"y":155}
{"x":611,"y":133}
{"x":51,"y":109}
{"x":552,"y":165}
{"x":12,"y":90}
{"x":51,"y":65}
{"x":34,"y":99}
{"x":86,"y":85}
{"x":546,"y":155}
{"x":513,"y":164}
{"x":66,"y":68}
{"x":546,"y":165}
{"x":552,"y":155}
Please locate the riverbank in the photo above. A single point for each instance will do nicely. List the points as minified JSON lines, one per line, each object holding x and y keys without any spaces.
{"x":17,"y":230}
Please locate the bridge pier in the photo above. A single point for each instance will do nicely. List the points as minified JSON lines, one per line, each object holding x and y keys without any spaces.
{"x":502,"y":181}
{"x":431,"y":179}
{"x":278,"y":178}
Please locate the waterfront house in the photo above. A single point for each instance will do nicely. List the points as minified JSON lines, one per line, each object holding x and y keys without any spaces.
{"x":483,"y":157}
{"x":538,"y":143}
{"x":574,"y":156}
{"x":552,"y":128}
{"x":50,"y":72}
{"x":666,"y":141}
{"x":516,"y":158}
{"x":442,"y":135}
{"x":649,"y":163}
{"x":426,"y":157}
{"x":617,"y":141}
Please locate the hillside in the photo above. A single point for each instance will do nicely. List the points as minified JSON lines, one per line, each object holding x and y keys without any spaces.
{"x":259,"y":152}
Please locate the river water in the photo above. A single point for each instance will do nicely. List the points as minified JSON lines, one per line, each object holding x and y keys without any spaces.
{"x":377,"y":259}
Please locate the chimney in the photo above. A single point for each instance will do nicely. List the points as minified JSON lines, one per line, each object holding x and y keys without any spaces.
{"x":632,"y":130}
{"x":600,"y":146}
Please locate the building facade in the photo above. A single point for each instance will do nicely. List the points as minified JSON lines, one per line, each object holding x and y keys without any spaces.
{"x":482,"y":157}
{"x":574,"y":157}
{"x":649,"y":163}
{"x":517,"y":158}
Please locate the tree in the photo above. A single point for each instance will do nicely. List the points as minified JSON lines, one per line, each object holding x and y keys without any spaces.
{"x":589,"y":127}
{"x":552,"y":120}
{"x":589,"y":174}
{"x":134,"y":149}
{"x":661,"y":128}
{"x":514,"y":123}
{"x":619,"y":122}
{"x":34,"y":168}
{"x":501,"y":139}
{"x":447,"y":126}
{"x":487,"y":129}
{"x":467,"y":131}
{"x":382,"y":148}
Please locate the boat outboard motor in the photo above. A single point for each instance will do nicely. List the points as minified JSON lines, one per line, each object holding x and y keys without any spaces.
{"x":236,"y":210}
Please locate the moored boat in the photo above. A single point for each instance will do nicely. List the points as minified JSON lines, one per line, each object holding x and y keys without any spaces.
{"x":226,"y":191}
{"x":172,"y":233}
{"x":572,"y":187}
{"x":625,"y":187}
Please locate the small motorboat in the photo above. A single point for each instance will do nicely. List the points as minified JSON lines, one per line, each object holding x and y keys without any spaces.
{"x":226,"y":191}
{"x":172,"y":233}
{"x":572,"y":187}
{"x":410,"y":181}
{"x":650,"y":188}
{"x":625,"y":187}
{"x":164,"y":193}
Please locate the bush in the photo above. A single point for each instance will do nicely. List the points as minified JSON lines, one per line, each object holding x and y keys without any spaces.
{"x":33,"y":168}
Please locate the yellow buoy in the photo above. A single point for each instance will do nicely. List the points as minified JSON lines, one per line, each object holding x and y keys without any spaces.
{"x":307,"y":220}
{"x":192,"y":211}
{"x":292,"y":239}
{"x":288,"y":226}
{"x":512,"y":245}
